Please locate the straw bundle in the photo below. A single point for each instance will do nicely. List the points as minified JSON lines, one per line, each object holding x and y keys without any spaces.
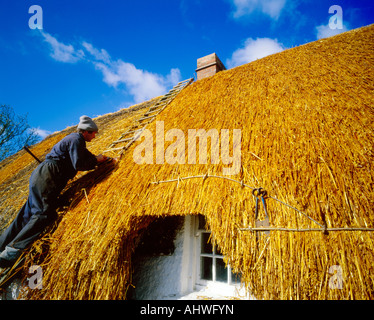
{"x":306,"y":119}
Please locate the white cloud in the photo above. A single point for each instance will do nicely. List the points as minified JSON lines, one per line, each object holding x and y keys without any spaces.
{"x":40,"y":132}
{"x":254,"y":49}
{"x":324,"y":31}
{"x":142,"y":84}
{"x":271,"y":8}
{"x":62,"y":52}
{"x":174,"y":76}
{"x":99,"y":55}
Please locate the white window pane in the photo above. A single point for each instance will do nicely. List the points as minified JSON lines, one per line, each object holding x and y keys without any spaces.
{"x":206,"y":268}
{"x":206,"y":246}
{"x":221,"y":271}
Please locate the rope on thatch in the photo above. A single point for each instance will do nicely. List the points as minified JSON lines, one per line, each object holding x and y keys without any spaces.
{"x":261,"y":192}
{"x":304,"y":214}
{"x":204,"y":177}
{"x":305,"y":230}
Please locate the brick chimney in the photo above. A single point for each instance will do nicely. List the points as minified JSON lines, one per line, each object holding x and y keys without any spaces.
{"x":208,"y":66}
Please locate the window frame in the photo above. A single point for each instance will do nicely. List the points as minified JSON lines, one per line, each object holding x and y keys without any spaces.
{"x":214,"y":255}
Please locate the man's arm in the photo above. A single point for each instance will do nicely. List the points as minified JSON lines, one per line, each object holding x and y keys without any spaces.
{"x":81,"y":158}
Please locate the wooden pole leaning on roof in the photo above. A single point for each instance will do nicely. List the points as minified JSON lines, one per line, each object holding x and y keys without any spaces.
{"x":28,"y":150}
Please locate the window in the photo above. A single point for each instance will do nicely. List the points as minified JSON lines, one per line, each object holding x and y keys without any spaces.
{"x":211,"y":265}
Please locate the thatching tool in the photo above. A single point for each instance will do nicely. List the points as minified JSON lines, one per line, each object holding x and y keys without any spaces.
{"x":34,"y":156}
{"x":260,"y":192}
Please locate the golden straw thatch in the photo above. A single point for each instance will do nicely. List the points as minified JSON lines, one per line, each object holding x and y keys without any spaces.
{"x":307,"y":137}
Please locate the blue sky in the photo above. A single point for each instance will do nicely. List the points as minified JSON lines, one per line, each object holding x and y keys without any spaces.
{"x":95,"y":57}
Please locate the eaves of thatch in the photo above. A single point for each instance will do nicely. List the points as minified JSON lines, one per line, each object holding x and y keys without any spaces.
{"x":306,"y":119}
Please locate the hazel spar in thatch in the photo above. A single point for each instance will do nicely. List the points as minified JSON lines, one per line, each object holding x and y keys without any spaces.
{"x":306,"y":119}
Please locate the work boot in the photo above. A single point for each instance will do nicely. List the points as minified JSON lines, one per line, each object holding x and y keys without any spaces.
{"x":9,"y":256}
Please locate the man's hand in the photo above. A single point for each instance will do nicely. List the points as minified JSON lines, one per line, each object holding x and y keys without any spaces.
{"x":100,"y":158}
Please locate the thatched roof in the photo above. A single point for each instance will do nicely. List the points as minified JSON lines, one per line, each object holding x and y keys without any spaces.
{"x":306,"y":119}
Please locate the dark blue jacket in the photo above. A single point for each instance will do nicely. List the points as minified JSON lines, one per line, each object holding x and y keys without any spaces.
{"x":72,"y":155}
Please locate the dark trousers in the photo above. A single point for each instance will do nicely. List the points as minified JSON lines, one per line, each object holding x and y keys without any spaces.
{"x":46,"y":183}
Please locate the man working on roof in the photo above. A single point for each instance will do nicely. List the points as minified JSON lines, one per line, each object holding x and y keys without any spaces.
{"x":46,"y":182}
